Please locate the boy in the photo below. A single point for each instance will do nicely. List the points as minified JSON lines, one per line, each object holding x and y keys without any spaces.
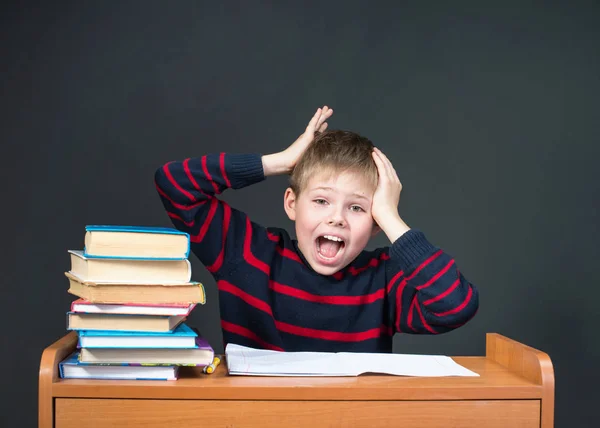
{"x":322,"y":292}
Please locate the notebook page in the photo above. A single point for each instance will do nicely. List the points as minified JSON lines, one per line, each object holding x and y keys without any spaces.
{"x":242,"y":360}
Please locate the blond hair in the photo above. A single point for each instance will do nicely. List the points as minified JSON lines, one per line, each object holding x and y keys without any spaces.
{"x":334,"y":152}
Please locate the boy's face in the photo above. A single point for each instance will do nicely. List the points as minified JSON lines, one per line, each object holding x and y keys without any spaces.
{"x":333,"y":219}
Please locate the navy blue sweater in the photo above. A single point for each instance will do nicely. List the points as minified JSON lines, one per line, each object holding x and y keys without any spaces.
{"x":271,"y":298}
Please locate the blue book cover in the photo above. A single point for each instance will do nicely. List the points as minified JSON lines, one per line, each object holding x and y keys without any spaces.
{"x":182,"y":330}
{"x":182,"y":337}
{"x":137,"y":229}
{"x":72,"y":368}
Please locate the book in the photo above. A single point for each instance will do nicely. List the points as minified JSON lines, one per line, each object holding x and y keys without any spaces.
{"x":83,"y":306}
{"x":139,"y":271}
{"x":188,"y":293}
{"x":182,"y":337}
{"x":201,"y":355}
{"x":122,"y":322}
{"x":72,"y":368}
{"x":242,"y":360}
{"x":136,"y":242}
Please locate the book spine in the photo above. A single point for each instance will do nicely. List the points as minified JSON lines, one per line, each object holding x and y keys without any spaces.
{"x":187,"y":253}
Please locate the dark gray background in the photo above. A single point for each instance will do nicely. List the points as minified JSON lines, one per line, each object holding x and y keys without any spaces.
{"x":488,"y":112}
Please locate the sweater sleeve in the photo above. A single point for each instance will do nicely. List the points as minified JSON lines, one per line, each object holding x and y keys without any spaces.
{"x":188,"y":189}
{"x":427,"y":292}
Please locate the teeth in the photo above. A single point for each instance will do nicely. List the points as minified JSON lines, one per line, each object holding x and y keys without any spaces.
{"x":333,"y":238}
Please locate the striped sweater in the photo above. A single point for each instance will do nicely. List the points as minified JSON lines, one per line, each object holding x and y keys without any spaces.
{"x":270,"y":297}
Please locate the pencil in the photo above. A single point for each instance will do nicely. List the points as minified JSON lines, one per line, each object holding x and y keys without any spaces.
{"x":212,"y":366}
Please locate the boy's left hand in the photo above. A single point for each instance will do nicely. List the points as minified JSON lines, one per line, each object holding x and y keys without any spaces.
{"x":387,"y":194}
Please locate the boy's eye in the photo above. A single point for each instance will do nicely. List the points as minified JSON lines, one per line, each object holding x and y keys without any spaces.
{"x":320,"y":201}
{"x":356,"y":208}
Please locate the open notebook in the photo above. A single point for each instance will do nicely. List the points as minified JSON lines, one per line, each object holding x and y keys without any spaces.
{"x":242,"y":360}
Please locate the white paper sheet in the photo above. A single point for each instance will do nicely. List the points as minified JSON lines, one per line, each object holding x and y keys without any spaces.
{"x":242,"y":360}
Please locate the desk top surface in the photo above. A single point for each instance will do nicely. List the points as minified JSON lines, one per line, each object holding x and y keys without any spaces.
{"x":494,"y":382}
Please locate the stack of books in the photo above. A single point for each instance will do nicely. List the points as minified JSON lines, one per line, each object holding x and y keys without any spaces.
{"x":135,"y":294}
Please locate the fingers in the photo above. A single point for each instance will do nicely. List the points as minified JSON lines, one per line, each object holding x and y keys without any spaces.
{"x":326,"y":113}
{"x":318,"y":121}
{"x":384,"y":166}
{"x":383,"y":176}
{"x":312,"y":125}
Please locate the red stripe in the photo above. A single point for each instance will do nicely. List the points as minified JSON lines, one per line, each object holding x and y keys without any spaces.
{"x":442,"y":295}
{"x":423,"y":320}
{"x":389,"y":331}
{"x":410,"y":315}
{"x":176,"y":184}
{"x":284,"y":252}
{"x":399,"y":292}
{"x":404,"y":282}
{"x":425,"y":263}
{"x":243,"y":331}
{"x":459,"y":307}
{"x":393,"y":281}
{"x":226,"y":217}
{"x":331,"y":300}
{"x":289,"y":254}
{"x":328,"y":335}
{"x":186,"y":168}
{"x":248,"y":256}
{"x":372,"y":263}
{"x":436,"y":276}
{"x":204,"y":228}
{"x":208,"y":176}
{"x":175,"y":204}
{"x":223,"y":173}
{"x":176,"y":217}
{"x":247,"y":298}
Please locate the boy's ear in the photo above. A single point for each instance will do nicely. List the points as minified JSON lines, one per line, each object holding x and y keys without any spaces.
{"x":289,"y":203}
{"x":376,"y":230}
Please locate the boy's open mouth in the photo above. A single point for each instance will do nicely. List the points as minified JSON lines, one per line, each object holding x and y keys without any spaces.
{"x":328,"y":246}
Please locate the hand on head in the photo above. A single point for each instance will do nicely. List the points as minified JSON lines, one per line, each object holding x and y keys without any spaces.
{"x":318,"y":123}
{"x":387,"y":193}
{"x":284,"y":162}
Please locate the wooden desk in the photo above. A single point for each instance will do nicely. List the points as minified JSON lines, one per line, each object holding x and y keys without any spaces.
{"x":515,"y":389}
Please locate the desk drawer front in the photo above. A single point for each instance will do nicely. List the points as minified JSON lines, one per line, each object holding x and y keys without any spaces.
{"x":117,"y":413}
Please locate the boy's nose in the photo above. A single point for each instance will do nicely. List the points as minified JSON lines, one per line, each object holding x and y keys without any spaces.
{"x":337,"y":221}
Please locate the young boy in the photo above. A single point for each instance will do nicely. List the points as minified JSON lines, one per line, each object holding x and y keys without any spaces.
{"x":323,"y":291}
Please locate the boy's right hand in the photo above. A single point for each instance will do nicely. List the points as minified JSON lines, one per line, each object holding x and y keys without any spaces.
{"x":285,"y":161}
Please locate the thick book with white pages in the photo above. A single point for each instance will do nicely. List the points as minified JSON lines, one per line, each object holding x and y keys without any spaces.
{"x":156,"y":294}
{"x":131,"y":271}
{"x":85,"y":307}
{"x":123,"y":322}
{"x":201,"y":355}
{"x":136,"y":242}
